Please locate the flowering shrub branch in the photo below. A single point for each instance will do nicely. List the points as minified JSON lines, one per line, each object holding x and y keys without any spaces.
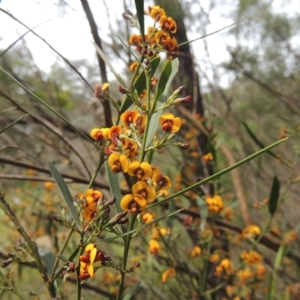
{"x":128,"y":145}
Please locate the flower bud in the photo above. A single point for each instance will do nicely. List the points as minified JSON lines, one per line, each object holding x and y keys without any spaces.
{"x":3,"y":255}
{"x":187,"y":99}
{"x":183,"y":146}
{"x":85,"y":259}
{"x":56,"y":217}
{"x":100,"y":256}
{"x":117,"y":219}
{"x":84,"y":276}
{"x":110,"y":202}
{"x":72,"y":267}
{"x":122,"y":90}
{"x":7,"y":263}
{"x":171,"y":136}
{"x":63,"y":213}
{"x":98,"y":91}
{"x":129,"y":12}
{"x":124,"y":15}
{"x":121,"y":215}
{"x":183,"y":100}
{"x":150,"y":53}
{"x":137,"y":264}
{"x":122,"y":221}
{"x":107,"y":151}
{"x":180,"y":89}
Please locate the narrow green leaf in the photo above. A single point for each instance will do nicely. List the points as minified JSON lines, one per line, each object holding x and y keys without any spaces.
{"x":255,"y":139}
{"x":65,"y":194}
{"x":279,"y":256}
{"x":140,"y":83}
{"x":140,"y":228}
{"x":270,"y":284}
{"x":164,"y":78}
{"x":107,"y":62}
{"x":63,"y":258}
{"x":132,"y":291}
{"x":139,"y":4}
{"x":47,"y":257}
{"x":170,"y":221}
{"x":220,"y":173}
{"x":214,"y":32}
{"x":20,"y":38}
{"x":48,"y":106}
{"x":13,"y":123}
{"x":274,"y":196}
{"x":204,"y":212}
{"x":43,"y":40}
{"x":273,"y":278}
{"x":114,"y":186}
{"x":154,"y":122}
{"x":169,"y":71}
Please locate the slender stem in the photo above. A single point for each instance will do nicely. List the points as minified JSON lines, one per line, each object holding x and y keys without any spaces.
{"x":48,"y":106}
{"x":274,"y":277}
{"x":205,"y":269}
{"x":136,"y":72}
{"x":52,"y":276}
{"x":78,"y":268}
{"x":125,"y":255}
{"x":216,"y":288}
{"x":218,"y":174}
{"x":148,"y":86}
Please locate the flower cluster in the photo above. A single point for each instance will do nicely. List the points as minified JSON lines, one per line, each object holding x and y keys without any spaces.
{"x":195,"y":252}
{"x":122,"y":143}
{"x":251,"y":257}
{"x":252,"y":272}
{"x":169,"y":272}
{"x":90,"y":201}
{"x":94,"y":211}
{"x":225,"y":267}
{"x":157,"y":232}
{"x":158,"y":36}
{"x":214,"y":204}
{"x":92,"y":260}
{"x":251,"y":231}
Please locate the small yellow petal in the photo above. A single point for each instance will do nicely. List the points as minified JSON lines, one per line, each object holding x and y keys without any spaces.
{"x":105,"y":85}
{"x":113,"y":158}
{"x":91,"y":270}
{"x":133,"y":167}
{"x":124,"y":162}
{"x":89,"y":248}
{"x":147,"y":169}
{"x":93,"y":255}
{"x":126,"y":201}
{"x":176,"y":125}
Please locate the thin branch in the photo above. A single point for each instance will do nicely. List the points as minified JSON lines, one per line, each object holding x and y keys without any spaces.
{"x":46,"y":171}
{"x":61,"y":56}
{"x":265,"y":241}
{"x":51,"y":127}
